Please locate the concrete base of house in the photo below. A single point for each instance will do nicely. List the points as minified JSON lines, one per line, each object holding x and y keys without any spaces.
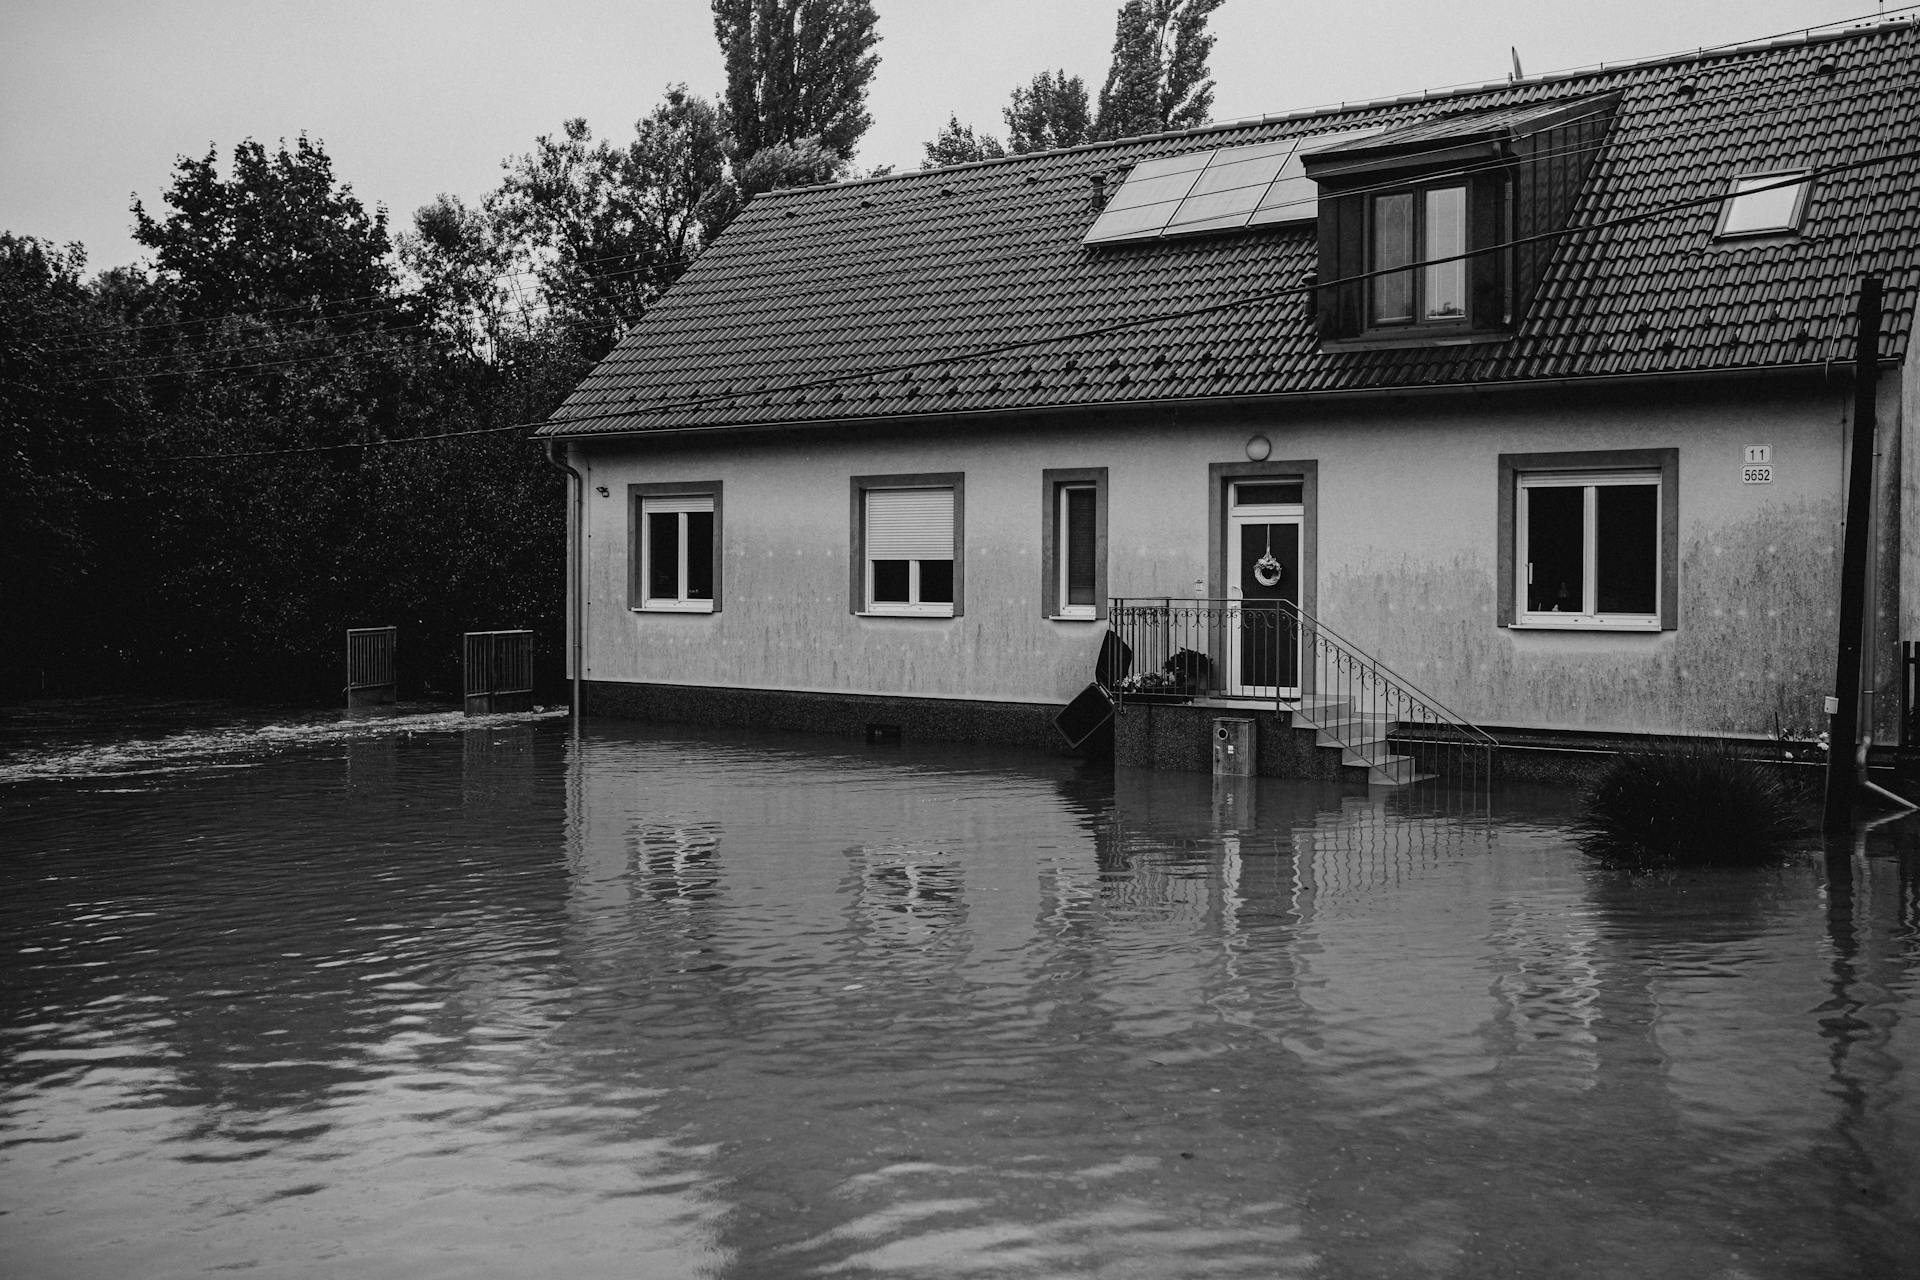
{"x":1176,"y":737}
{"x":871,"y":716}
{"x":1179,"y":737}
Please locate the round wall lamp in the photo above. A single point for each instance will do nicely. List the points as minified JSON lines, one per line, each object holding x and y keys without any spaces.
{"x":1258,"y":448}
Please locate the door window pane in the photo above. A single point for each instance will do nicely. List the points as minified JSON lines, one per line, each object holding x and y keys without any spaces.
{"x":1393,"y":247}
{"x":1077,"y":527}
{"x":892,"y":581}
{"x":1626,"y":548}
{"x":663,"y":555}
{"x":1556,"y":555}
{"x":936,"y":582}
{"x":1446,"y":235}
{"x":700,"y":555}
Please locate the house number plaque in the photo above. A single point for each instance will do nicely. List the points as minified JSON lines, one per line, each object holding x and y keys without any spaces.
{"x":1758,"y":467}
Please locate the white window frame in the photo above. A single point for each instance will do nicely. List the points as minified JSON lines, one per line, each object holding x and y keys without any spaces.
{"x":1587,"y":615}
{"x":1056,"y":543}
{"x":864,"y":605}
{"x":1742,"y":201}
{"x":680,"y":500}
{"x":1063,"y":553}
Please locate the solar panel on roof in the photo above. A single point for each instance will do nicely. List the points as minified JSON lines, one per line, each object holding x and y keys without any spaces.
{"x":1258,"y":185}
{"x":1294,"y":197}
{"x":1146,"y":201}
{"x":1227,"y":192}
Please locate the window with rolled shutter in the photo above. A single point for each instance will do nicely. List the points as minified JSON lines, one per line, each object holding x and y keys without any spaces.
{"x":909,"y":538}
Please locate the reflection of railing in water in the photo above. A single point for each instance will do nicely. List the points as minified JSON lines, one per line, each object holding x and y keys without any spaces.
{"x":1272,"y":651}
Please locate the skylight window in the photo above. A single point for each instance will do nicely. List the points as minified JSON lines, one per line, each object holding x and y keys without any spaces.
{"x":1764,"y":204}
{"x":1220,"y":190}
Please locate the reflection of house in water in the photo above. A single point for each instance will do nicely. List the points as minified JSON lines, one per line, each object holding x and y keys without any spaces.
{"x":675,"y":863}
{"x":907,"y":895}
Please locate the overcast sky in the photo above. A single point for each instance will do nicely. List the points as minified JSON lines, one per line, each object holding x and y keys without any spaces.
{"x":415,"y":97}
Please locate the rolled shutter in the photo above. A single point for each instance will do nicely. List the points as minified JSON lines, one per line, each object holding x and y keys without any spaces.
{"x":909,"y":524}
{"x":679,"y":502}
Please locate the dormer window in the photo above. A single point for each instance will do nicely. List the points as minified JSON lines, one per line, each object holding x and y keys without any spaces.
{"x":1429,"y":226}
{"x":1438,"y":231}
{"x":1764,"y":204}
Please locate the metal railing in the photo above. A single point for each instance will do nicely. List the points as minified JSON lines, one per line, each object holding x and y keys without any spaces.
{"x":498,"y":671}
{"x":370,"y":666}
{"x":1274,"y":652}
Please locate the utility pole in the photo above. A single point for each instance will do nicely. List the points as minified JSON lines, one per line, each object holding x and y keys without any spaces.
{"x":1843,"y":731}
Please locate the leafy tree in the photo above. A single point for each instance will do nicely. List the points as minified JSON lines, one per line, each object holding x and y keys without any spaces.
{"x":958,"y":144}
{"x":68,"y":423}
{"x":604,"y":228}
{"x":462,"y":269}
{"x":1048,"y":113}
{"x":1158,"y":79}
{"x":277,"y":236}
{"x":805,"y":163}
{"x":796,"y":69}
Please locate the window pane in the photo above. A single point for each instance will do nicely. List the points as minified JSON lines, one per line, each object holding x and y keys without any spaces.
{"x":1556,"y":521}
{"x":1446,"y":282}
{"x":1750,"y":211}
{"x":1627,"y":548}
{"x":700,"y":555}
{"x":1266,"y":495}
{"x":936,"y":582}
{"x":1079,"y":529}
{"x":890,"y":581}
{"x":1392,"y":247}
{"x":663,"y":555}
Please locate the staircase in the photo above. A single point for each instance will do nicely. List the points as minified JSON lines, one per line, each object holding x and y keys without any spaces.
{"x":1363,"y":739}
{"x":1388,"y":732}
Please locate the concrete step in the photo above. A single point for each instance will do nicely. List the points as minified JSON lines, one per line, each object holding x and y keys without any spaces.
{"x":1387,"y":771}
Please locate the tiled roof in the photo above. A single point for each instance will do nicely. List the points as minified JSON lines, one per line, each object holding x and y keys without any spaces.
{"x":863,"y":299}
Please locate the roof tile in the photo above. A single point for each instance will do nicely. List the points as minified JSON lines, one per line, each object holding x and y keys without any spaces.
{"x":809,"y":306}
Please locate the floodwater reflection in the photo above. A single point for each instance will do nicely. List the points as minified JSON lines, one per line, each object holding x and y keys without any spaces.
{"x":495,"y":1000}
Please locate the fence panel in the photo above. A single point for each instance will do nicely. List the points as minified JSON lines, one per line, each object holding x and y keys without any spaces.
{"x":370,"y":666}
{"x":498,"y":668}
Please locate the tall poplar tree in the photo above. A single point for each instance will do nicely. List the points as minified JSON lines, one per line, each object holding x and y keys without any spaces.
{"x":796,"y":70}
{"x":1159,"y":78}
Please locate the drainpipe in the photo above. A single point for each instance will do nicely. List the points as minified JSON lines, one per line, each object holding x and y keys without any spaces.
{"x":576,"y":563}
{"x":1846,"y":752}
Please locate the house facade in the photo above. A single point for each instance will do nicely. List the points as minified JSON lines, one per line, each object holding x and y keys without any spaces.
{"x":1538,"y":394}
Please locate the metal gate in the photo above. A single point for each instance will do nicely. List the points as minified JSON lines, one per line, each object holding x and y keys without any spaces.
{"x":499,"y":671}
{"x":370,"y":666}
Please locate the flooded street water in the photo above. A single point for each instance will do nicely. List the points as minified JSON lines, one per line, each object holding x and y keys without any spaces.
{"x":421,"y":998}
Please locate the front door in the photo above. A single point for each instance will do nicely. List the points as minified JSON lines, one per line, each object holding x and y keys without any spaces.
{"x":1263,"y":570}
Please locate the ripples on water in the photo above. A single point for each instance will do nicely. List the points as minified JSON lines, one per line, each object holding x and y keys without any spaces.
{"x":421,"y":997}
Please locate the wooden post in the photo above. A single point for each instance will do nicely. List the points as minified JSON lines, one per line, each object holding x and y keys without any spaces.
{"x":1843,"y":731}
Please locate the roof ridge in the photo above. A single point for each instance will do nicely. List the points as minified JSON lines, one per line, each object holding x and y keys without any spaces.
{"x":1805,"y":36}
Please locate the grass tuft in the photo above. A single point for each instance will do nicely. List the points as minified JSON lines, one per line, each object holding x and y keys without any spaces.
{"x":1688,"y":803}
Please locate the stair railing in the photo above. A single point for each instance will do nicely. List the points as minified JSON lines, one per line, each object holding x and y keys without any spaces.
{"x":1173,"y":649}
{"x":1371,"y":711}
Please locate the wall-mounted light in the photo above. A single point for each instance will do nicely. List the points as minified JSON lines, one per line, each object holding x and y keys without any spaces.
{"x":1258,"y":448}
{"x":602,"y":489}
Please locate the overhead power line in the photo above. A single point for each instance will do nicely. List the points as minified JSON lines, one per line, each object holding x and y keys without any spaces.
{"x":1257,"y":298}
{"x":547,"y":312}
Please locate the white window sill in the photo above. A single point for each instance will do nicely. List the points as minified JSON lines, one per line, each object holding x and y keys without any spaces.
{"x":1072,"y":617}
{"x":675,"y":606}
{"x":1549,"y":622}
{"x":907,"y":611}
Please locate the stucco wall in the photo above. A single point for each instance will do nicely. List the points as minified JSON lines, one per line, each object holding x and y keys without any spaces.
{"x":1406,"y":555}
